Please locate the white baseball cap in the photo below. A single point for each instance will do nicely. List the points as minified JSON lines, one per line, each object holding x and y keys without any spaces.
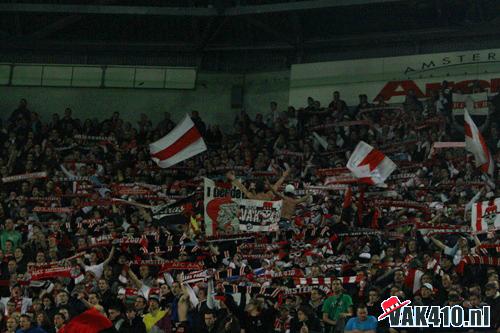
{"x":289,"y":188}
{"x":365,"y":255}
{"x":428,"y":286}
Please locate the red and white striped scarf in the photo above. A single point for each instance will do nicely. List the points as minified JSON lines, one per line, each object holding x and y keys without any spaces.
{"x":327,"y":281}
{"x":41,"y":209}
{"x":33,"y":175}
{"x":481,"y":260}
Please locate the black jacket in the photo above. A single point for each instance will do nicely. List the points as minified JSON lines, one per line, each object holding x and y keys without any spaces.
{"x":313,"y":324}
{"x":136,"y":326}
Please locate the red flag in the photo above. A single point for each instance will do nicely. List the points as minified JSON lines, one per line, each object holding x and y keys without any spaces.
{"x":183,"y":142}
{"x":90,"y":321}
{"x":376,"y":215}
{"x":347,"y":198}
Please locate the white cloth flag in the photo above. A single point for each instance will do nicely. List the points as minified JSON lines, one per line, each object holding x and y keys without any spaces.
{"x":370,"y":165}
{"x":486,"y":215}
{"x":183,"y":142}
{"x":475,"y":144}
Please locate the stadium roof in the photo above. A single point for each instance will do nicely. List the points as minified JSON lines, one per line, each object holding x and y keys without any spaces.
{"x":238,"y":34}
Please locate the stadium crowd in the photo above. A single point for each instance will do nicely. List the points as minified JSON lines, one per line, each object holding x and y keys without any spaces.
{"x":87,"y":222}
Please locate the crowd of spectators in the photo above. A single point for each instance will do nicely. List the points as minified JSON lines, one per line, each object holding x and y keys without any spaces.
{"x":87,"y":216}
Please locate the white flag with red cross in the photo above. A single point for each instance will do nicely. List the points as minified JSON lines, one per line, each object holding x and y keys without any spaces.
{"x":475,"y":144}
{"x":370,"y":165}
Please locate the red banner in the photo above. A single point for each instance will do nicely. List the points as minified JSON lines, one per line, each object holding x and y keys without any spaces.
{"x":180,"y":266}
{"x":40,"y":209}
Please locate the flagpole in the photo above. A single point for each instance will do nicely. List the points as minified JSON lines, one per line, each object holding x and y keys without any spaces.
{"x":362,"y":189}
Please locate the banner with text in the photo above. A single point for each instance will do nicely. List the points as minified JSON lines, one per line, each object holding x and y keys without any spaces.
{"x":259,"y":216}
{"x":221,"y":207}
{"x":391,"y":78}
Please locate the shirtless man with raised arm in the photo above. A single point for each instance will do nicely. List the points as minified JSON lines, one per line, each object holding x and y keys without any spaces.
{"x":261,"y":193}
{"x":290,"y":201}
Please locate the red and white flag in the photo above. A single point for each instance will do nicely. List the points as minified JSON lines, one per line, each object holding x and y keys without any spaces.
{"x":183,"y":142}
{"x":370,"y":165}
{"x":412,"y":279}
{"x":486,"y":215}
{"x":475,"y":144}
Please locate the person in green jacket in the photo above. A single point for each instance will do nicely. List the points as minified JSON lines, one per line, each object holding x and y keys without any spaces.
{"x":337,"y":308}
{"x":9,"y":233}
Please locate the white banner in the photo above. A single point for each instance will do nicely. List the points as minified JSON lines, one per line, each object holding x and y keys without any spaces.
{"x":476,"y":104}
{"x":444,"y":145}
{"x":221,"y":207}
{"x":486,"y":215}
{"x":226,"y":212}
{"x":259,"y":216}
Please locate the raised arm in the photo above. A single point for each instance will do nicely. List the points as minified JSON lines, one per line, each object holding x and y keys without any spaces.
{"x":67,"y":172}
{"x":438,"y":243}
{"x":111,"y":254}
{"x":12,"y":159}
{"x":184,"y":302}
{"x":186,"y":288}
{"x":232,"y":178}
{"x":304,"y":198}
{"x":85,"y":302}
{"x":242,"y":188}
{"x":472,"y":201}
{"x":436,"y":218}
{"x":210,"y":294}
{"x":477,"y":242}
{"x":134,"y":279}
{"x":280,"y":181}
{"x":274,"y":190}
{"x":308,"y":165}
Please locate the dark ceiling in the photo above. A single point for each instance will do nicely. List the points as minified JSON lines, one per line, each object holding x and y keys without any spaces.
{"x":237,"y":35}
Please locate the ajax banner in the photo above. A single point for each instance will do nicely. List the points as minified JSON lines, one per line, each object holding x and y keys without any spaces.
{"x":259,"y":216}
{"x":486,"y":216}
{"x":226,"y":212}
{"x":221,"y":207}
